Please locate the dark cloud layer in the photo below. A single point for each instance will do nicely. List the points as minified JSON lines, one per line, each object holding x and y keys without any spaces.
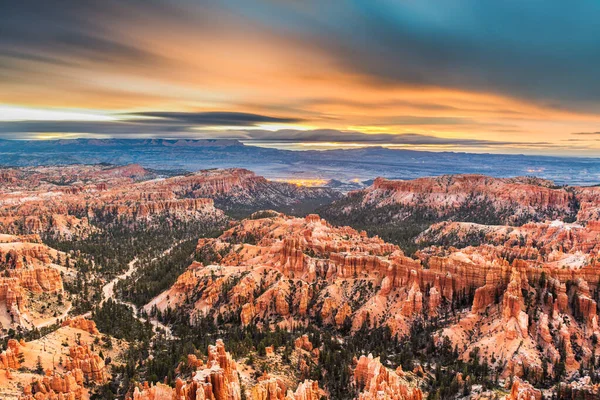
{"x":347,"y":137}
{"x":189,"y":126}
{"x":155,"y":123}
{"x":213,"y":118}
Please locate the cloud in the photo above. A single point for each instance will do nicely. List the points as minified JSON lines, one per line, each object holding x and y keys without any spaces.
{"x":338,"y":136}
{"x":151,"y":123}
{"x":467,"y":45}
{"x":194,"y":126}
{"x":71,"y":31}
{"x":585,"y":133}
{"x":214,"y":118}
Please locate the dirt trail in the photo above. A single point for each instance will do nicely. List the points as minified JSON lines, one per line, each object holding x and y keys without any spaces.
{"x":108,"y":292}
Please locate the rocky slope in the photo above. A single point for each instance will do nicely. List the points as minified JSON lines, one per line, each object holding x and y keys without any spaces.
{"x":503,"y":296}
{"x":535,"y":293}
{"x":292,"y":270}
{"x":30,"y":283}
{"x":74,"y":201}
{"x":240,"y":189}
{"x":61,"y":365}
{"x":219,"y":379}
{"x":387,"y":204}
{"x":376,"y":381}
{"x":524,"y":300}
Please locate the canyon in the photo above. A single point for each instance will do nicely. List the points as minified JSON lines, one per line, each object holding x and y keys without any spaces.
{"x":499,"y":287}
{"x":530,"y":287}
{"x":70,"y":202}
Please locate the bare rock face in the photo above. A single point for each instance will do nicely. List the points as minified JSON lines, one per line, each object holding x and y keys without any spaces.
{"x":247,"y":314}
{"x":514,"y":318}
{"x":82,"y":323}
{"x":274,"y":388}
{"x":344,"y":312}
{"x":218,"y":379}
{"x":156,"y":392}
{"x":90,"y":364}
{"x":307,"y":390}
{"x":221,"y":376}
{"x":27,"y":270}
{"x":570,"y":361}
{"x":543,"y":328}
{"x":435,"y":299}
{"x":484,"y":297}
{"x":303,"y":343}
{"x":54,"y":386}
{"x":414,"y":302}
{"x":269,"y":387}
{"x":376,"y":381}
{"x":9,"y":358}
{"x":523,"y":391}
{"x":445,"y":194}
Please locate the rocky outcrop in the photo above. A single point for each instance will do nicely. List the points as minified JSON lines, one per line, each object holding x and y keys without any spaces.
{"x":148,"y":210}
{"x":218,"y":379}
{"x":27,"y":271}
{"x":307,"y":390}
{"x":413,"y":305}
{"x":155,"y":392}
{"x":516,"y":321}
{"x":247,"y":314}
{"x":83,"y":324}
{"x":375,"y":381}
{"x":56,"y":387}
{"x":90,"y":364}
{"x":303,"y":343}
{"x":273,"y":388}
{"x":269,"y":387}
{"x":10,"y":358}
{"x":521,"y":390}
{"x":509,"y":198}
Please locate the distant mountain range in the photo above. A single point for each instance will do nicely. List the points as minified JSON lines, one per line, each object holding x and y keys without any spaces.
{"x":348,"y":166}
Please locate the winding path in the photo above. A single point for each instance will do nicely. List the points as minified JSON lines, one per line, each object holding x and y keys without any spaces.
{"x":54,"y":320}
{"x":108,"y":292}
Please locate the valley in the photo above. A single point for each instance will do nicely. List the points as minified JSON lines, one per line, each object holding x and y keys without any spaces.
{"x":133,"y":283}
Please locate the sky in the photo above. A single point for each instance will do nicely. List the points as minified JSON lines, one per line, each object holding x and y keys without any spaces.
{"x":464,"y":75}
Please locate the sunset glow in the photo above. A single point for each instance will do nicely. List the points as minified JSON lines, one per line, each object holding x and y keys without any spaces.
{"x":298,"y":69}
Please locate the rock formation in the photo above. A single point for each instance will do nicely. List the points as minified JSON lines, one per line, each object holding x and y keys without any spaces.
{"x":74,"y":201}
{"x":55,"y":386}
{"x":28,"y":270}
{"x":512,"y":199}
{"x":275,"y":266}
{"x":90,"y":364}
{"x":523,"y":391}
{"x":375,"y":381}
{"x":10,"y":358}
{"x":218,"y":379}
{"x":83,"y":324}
